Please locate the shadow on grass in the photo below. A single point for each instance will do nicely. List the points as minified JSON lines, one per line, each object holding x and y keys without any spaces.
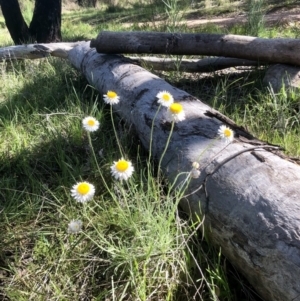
{"x":138,"y":12}
{"x":36,"y":176}
{"x":50,"y":166}
{"x":60,"y":94}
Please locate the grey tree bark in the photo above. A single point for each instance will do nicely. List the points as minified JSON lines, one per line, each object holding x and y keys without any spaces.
{"x":37,"y":51}
{"x":44,"y":26}
{"x":251,"y":48}
{"x":248,"y":192}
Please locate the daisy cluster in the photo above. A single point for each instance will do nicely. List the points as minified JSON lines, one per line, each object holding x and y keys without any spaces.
{"x":121,"y":169}
{"x":175,"y":112}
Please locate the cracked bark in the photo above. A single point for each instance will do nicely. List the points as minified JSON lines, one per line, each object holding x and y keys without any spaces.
{"x":253,"y":189}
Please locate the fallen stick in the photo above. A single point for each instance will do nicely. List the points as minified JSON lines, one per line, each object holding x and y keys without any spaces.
{"x":36,"y":51}
{"x":236,"y":46}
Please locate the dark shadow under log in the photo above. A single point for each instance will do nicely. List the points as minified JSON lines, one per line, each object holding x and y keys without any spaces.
{"x":248,"y":192}
{"x":194,"y":65}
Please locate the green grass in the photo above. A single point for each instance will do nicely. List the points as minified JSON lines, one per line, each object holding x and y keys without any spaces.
{"x":133,"y":243}
{"x":136,"y":244}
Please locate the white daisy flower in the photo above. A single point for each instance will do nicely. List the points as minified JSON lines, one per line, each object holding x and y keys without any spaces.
{"x":74,"y":226}
{"x":165,"y":98}
{"x":111,"y":98}
{"x":122,"y":169}
{"x":90,"y":124}
{"x":175,"y":112}
{"x":83,"y":192}
{"x":226,"y":133}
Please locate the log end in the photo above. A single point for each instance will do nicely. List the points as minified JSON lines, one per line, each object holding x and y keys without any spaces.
{"x":93,"y":43}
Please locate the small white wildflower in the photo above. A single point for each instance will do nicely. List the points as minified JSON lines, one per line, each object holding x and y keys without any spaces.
{"x":122,"y":169}
{"x":74,"y":226}
{"x":226,"y":133}
{"x":175,"y":112}
{"x":111,"y":98}
{"x":195,"y":173}
{"x":165,"y":98}
{"x":195,"y":165}
{"x":83,"y":192}
{"x":90,"y":124}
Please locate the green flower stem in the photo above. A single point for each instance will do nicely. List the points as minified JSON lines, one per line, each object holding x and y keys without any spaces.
{"x":166,"y":147}
{"x":96,"y":161}
{"x":151,"y":133}
{"x":93,"y":152}
{"x":115,"y":132}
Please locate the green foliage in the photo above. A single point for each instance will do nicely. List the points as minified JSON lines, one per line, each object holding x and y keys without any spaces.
{"x":27,"y":7}
{"x":132,"y":241}
{"x":255,"y":22}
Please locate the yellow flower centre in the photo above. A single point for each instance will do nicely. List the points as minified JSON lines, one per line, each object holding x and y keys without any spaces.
{"x":83,"y":188}
{"x":227,"y":132}
{"x":166,"y":97}
{"x":176,"y":108}
{"x":122,"y":165}
{"x":111,"y":94}
{"x":91,"y":122}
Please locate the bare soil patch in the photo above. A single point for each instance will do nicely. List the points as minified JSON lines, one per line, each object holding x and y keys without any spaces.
{"x":282,"y":16}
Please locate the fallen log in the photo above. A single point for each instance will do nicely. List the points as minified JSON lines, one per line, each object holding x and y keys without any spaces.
{"x":252,"y":48}
{"x":247,"y":190}
{"x":280,"y":75}
{"x":36,"y":51}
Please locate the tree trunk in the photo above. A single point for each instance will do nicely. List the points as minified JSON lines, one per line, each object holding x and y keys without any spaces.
{"x":251,"y":48}
{"x":14,"y":21}
{"x":247,"y":193}
{"x":46,"y":21}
